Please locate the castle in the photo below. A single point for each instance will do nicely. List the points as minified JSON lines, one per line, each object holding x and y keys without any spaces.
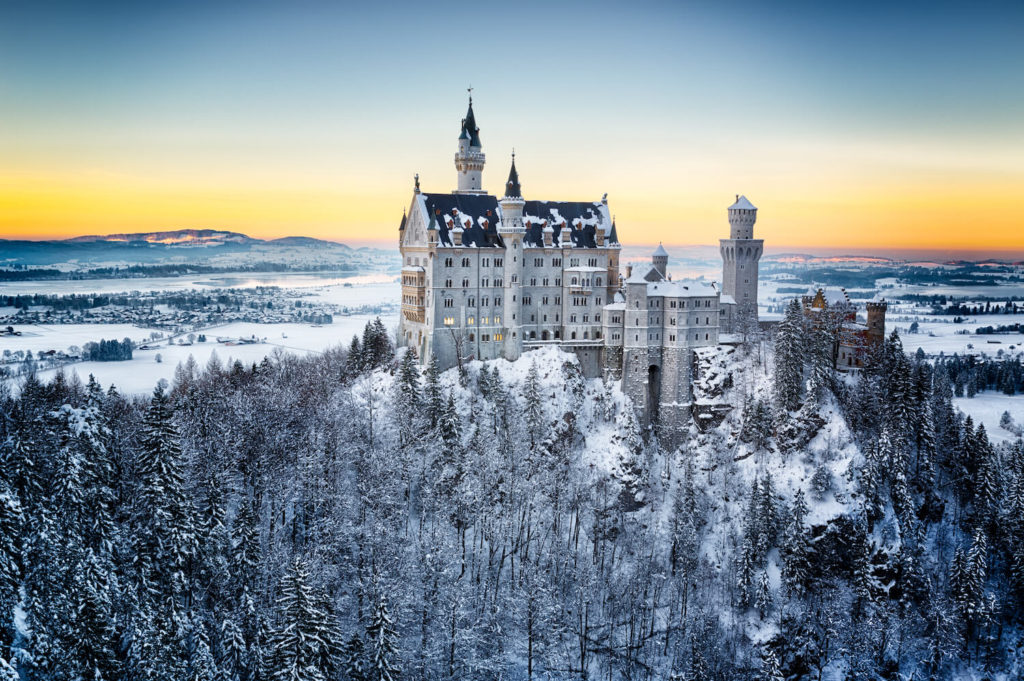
{"x":486,"y":277}
{"x":854,"y":339}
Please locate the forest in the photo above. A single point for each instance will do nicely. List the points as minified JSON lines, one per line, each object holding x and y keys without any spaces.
{"x":355,"y":516}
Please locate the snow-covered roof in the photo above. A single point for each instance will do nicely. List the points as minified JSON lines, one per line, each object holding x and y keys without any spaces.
{"x":726,"y":300}
{"x":584,"y":268}
{"x":679,"y":289}
{"x":411,"y":268}
{"x":615,"y":306}
{"x":660,"y":252}
{"x":742,"y":203}
{"x":639,"y":275}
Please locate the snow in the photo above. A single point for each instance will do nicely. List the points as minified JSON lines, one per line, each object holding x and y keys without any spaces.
{"x":142,"y":372}
{"x":987,"y":408}
{"x":742,"y":203}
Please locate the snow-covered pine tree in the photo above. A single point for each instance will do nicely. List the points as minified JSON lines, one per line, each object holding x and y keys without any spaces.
{"x":449,"y":428}
{"x":745,"y":571}
{"x":164,"y":544}
{"x":164,"y":519}
{"x":11,"y":521}
{"x":789,"y":359}
{"x":757,"y":425}
{"x":408,"y":381}
{"x":354,"y":362}
{"x":432,"y":393}
{"x":298,"y":641}
{"x":383,"y":645}
{"x":771,"y":669}
{"x":533,"y":408}
{"x":354,"y":662}
{"x":763,"y":594}
{"x":201,"y":666}
{"x":796,"y":549}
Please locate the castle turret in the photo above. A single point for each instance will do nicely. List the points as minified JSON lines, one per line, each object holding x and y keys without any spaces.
{"x":741,"y":253}
{"x":876,"y":322}
{"x":469,"y":159}
{"x":512,"y":231}
{"x":660,"y":261}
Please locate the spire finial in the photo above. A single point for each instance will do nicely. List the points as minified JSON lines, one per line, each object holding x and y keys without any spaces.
{"x":417,"y":178}
{"x":470,"y":91}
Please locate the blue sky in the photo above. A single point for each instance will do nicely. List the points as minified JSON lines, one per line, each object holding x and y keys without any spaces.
{"x":670,"y":107}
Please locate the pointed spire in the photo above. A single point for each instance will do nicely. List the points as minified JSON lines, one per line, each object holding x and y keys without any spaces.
{"x":469,"y":129}
{"x":512,"y":188}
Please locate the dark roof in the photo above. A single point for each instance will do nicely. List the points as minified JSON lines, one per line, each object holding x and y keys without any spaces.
{"x":613,"y":236}
{"x":469,"y":127}
{"x":479,"y":208}
{"x":562,"y":215}
{"x":512,"y":188}
{"x":401,"y":227}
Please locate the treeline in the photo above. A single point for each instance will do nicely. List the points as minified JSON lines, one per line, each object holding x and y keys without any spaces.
{"x":1002,"y":328}
{"x":1008,"y":307}
{"x":970,"y":375}
{"x":107,"y":351}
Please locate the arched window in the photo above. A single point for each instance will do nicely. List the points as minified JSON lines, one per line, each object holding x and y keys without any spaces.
{"x":573,"y":337}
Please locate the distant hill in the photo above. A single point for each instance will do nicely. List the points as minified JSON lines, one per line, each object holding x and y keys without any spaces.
{"x":206,"y":247}
{"x":180,"y":237}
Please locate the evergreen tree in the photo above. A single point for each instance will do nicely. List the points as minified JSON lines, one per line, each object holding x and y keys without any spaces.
{"x":763,"y":595}
{"x":11,"y":520}
{"x":796,"y":549}
{"x":771,"y":670}
{"x":355,"y":659}
{"x":789,"y":359}
{"x":298,"y":643}
{"x":383,"y":644}
{"x":432,"y":392}
{"x":534,"y":409}
{"x":164,"y":544}
{"x":354,"y":362}
{"x":746,"y":565}
{"x":408,"y":382}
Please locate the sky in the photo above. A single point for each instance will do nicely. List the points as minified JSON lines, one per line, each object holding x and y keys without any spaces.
{"x":854,"y":127}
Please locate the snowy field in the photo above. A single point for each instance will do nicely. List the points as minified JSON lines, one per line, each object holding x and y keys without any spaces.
{"x":141,"y":373}
{"x":987,"y":407}
{"x":206,"y":281}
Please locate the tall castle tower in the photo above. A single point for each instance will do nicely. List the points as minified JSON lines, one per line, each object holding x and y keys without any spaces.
{"x":512,"y":232}
{"x":740,"y":255}
{"x":469,"y":159}
{"x":876,"y":322}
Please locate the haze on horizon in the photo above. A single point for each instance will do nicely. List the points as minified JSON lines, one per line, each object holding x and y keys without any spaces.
{"x":856,"y":128}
